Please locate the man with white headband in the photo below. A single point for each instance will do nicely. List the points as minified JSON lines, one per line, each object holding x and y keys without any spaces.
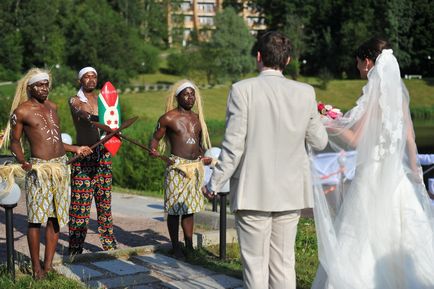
{"x":92,"y":175}
{"x":47,"y":176}
{"x":186,"y":133}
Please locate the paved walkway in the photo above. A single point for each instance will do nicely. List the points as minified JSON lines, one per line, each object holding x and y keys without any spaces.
{"x":146,"y":271}
{"x":139,"y":227}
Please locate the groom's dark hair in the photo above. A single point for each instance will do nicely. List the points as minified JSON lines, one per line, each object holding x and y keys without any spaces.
{"x":275,"y":48}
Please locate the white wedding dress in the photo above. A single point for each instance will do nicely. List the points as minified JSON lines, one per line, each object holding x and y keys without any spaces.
{"x":380,"y":233}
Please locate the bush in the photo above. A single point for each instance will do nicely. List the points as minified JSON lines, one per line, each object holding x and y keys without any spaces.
{"x":325,"y":76}
{"x":150,"y":59}
{"x":5,"y":106}
{"x":178,"y":63}
{"x":63,"y":75}
{"x":422,"y":112}
{"x":293,"y":69}
{"x":132,"y":166}
{"x":8,"y":75}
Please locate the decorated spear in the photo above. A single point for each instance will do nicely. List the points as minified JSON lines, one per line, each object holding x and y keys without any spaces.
{"x":107,"y":129}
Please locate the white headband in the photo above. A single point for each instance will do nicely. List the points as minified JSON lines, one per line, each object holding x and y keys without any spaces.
{"x":85,"y":70}
{"x":184,"y":86}
{"x":38,"y":77}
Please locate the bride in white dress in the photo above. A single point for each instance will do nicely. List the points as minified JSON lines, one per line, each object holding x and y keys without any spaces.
{"x":380,"y":234}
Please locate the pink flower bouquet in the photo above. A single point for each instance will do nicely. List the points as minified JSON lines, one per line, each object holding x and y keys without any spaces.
{"x":329,"y":111}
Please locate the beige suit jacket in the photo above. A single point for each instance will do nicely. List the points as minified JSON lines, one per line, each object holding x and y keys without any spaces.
{"x":269,"y":120}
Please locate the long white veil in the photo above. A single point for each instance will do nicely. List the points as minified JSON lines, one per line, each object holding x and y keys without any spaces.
{"x":376,"y":229}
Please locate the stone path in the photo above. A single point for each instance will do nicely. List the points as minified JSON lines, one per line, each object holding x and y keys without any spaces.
{"x":140,"y":229}
{"x":152,"y":270}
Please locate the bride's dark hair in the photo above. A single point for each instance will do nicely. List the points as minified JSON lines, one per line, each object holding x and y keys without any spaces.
{"x":372,"y":48}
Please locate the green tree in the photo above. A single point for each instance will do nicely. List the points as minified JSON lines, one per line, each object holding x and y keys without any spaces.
{"x":422,"y":27}
{"x":11,"y":48}
{"x":292,"y":19}
{"x":43,"y":37}
{"x":149,"y":17}
{"x":228,"y":53}
{"x":98,"y":36}
{"x":356,"y":26}
{"x":396,"y":17}
{"x":235,"y":4}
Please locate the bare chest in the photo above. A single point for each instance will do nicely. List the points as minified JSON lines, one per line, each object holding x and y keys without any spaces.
{"x":44,"y":125}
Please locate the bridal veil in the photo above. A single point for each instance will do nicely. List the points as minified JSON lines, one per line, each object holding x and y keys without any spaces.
{"x":375,"y":227}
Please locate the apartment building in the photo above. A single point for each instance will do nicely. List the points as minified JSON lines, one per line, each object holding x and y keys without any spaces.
{"x":197,"y":16}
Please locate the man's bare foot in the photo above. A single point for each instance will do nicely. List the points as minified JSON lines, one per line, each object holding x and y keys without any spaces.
{"x":47,"y":270}
{"x":39,"y":275}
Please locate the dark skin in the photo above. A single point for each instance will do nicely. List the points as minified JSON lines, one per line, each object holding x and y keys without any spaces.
{"x":84,"y":112}
{"x":37,"y":118}
{"x":183,"y":130}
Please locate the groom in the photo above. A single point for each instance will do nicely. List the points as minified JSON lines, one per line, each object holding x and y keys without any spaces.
{"x":269,"y":121}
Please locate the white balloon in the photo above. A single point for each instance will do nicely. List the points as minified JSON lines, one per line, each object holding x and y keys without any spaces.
{"x":66,"y":138}
{"x":214,"y":153}
{"x":12,"y":197}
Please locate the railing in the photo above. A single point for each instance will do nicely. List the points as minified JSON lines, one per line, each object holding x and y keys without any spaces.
{"x":152,"y":87}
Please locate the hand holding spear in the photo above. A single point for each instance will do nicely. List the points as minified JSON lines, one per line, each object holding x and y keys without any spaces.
{"x":124,"y":125}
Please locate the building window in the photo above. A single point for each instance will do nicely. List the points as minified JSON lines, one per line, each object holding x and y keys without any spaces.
{"x":186,"y":6}
{"x":252,"y":21}
{"x":206,"y":20}
{"x":188,"y":19}
{"x":207,"y":8}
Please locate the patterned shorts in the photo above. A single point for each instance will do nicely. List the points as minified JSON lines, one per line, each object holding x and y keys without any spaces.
{"x":47,"y":197}
{"x":182,"y":192}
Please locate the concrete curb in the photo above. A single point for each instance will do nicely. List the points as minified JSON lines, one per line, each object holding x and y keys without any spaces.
{"x":200,"y":239}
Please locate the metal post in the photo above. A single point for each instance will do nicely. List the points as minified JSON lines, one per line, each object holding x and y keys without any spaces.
{"x":10,"y":239}
{"x":222,"y":246}
{"x":214,"y":205}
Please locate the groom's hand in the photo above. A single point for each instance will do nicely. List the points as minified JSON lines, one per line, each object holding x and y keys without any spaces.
{"x":207,"y":193}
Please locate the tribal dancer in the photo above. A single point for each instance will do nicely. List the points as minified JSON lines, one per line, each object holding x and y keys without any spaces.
{"x":186,"y":133}
{"x":91,"y":176}
{"x":46,"y":175}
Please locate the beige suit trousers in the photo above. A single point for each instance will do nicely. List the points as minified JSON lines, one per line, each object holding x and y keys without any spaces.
{"x":267,"y":241}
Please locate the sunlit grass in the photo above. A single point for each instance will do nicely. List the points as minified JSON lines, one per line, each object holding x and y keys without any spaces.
{"x":25,"y":281}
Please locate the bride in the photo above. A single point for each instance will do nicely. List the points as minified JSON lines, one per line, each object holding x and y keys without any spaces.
{"x":380,"y":234}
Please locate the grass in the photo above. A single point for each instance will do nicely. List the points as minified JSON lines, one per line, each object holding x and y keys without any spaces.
{"x":306,"y":256}
{"x":155,"y":78}
{"x":25,"y":281}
